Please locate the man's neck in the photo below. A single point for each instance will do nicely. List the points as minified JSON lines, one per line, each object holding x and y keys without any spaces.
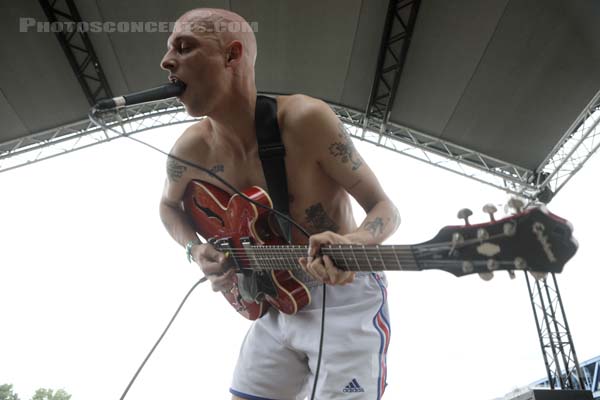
{"x":233,"y":121}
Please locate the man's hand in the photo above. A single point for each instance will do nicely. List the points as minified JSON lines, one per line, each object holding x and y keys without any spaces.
{"x":214,"y":265}
{"x":321,"y":267}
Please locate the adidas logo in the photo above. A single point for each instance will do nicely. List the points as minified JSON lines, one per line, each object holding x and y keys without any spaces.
{"x":353,"y":387}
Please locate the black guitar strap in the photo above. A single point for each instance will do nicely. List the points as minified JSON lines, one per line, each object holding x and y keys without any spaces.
{"x":272,"y":155}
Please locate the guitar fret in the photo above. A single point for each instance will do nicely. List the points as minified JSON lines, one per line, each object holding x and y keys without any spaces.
{"x":367,"y":258}
{"x":343,"y":257}
{"x":356,"y":265}
{"x":380,"y":257}
{"x":397,"y":259}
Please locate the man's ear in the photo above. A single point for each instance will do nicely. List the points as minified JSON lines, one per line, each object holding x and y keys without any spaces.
{"x":235,"y":52}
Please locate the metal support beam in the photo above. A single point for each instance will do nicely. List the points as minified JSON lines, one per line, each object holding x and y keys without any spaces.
{"x":579,"y":143}
{"x":78,"y":49}
{"x":82,"y":134}
{"x":395,"y":41}
{"x":400,"y":139}
{"x":562,"y":366}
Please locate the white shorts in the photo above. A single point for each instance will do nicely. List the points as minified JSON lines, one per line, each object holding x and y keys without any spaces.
{"x":278,"y":358}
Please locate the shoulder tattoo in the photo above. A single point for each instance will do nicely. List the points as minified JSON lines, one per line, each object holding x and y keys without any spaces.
{"x":318,"y":220}
{"x":175,"y":169}
{"x":345,"y":149}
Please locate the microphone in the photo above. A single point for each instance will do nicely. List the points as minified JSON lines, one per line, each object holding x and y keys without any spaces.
{"x":158,"y":93}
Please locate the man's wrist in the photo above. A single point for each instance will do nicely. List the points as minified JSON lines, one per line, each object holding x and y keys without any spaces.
{"x":188,"y":249}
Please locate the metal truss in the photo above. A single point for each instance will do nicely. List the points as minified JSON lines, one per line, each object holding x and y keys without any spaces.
{"x":562,"y":366}
{"x":395,"y":41}
{"x":83,"y":134}
{"x":439,"y":153}
{"x":591,"y":377}
{"x":576,"y":148}
{"x":579,"y":143}
{"x":78,"y":49}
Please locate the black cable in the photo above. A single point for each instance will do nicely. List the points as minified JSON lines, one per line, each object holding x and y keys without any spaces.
{"x":161,"y":337}
{"x":92,"y":117}
{"x":314,"y":390}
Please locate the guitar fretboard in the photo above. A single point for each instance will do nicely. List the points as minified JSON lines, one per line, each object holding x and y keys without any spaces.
{"x":345,"y":257}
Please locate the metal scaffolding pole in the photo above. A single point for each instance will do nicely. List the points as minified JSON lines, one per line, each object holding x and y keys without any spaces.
{"x":78,"y":49}
{"x":397,"y":32}
{"x":562,"y":366}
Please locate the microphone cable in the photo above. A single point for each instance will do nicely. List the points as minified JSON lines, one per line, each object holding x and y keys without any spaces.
{"x":100,"y":123}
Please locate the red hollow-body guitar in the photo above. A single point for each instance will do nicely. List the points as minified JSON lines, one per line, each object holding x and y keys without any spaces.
{"x":534,"y":240}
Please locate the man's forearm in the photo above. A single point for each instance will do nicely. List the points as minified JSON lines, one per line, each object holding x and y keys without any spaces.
{"x":177,"y":224}
{"x":379,"y":224}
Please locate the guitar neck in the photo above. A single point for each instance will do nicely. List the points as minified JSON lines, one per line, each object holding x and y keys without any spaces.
{"x":346,"y":257}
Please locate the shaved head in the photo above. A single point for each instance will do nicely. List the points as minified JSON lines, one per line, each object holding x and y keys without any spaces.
{"x":225,"y":26}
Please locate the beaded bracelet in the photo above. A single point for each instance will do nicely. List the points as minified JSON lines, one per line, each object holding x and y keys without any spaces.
{"x":188,"y":249}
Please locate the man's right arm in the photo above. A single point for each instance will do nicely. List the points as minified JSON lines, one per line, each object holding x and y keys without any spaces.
{"x":177,"y":224}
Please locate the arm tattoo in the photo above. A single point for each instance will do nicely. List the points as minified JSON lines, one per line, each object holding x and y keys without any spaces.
{"x":375,"y":226}
{"x":318,"y":220}
{"x":345,"y":149}
{"x":217,"y":168}
{"x":175,"y":170}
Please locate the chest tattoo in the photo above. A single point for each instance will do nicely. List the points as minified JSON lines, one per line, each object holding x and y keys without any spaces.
{"x":217,"y":168}
{"x":318,"y":220}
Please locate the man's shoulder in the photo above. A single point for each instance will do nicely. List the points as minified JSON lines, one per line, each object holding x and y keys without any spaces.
{"x":299,"y":106}
{"x":300,"y":112}
{"x":193,"y":139}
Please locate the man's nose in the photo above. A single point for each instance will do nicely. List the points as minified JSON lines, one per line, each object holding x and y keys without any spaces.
{"x":168,"y":62}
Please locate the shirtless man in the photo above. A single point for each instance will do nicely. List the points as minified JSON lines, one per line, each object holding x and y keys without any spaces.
{"x":279,"y":355}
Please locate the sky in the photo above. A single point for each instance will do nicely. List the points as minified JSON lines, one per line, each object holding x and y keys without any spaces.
{"x":89,"y":278}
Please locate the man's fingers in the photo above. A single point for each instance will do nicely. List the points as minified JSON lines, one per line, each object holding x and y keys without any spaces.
{"x":208,"y":252}
{"x":331,"y":270}
{"x":222,"y":282}
{"x":212,"y":268}
{"x":317,"y":269}
{"x":336,"y":275}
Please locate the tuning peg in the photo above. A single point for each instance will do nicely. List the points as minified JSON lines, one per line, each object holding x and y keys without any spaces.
{"x":492,"y":264}
{"x":486,"y":276}
{"x":465,"y":213}
{"x":490,"y":209}
{"x":457,"y":239}
{"x":539,"y":276}
{"x":468,"y":267}
{"x":482,"y":234}
{"x":520,"y":263}
{"x":511,"y":274}
{"x":516,"y":204}
{"x":509,"y":228}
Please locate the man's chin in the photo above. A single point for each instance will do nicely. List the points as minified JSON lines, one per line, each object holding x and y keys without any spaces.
{"x":192,"y":112}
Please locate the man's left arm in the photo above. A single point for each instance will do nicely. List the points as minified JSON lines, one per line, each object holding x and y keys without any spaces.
{"x":340,"y":160}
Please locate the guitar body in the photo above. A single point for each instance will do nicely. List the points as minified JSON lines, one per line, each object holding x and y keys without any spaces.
{"x":229,"y":221}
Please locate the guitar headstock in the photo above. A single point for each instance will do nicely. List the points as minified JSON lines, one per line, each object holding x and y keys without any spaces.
{"x":533,"y":240}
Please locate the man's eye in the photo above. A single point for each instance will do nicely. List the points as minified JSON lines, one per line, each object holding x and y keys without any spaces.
{"x":183,"y":49}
